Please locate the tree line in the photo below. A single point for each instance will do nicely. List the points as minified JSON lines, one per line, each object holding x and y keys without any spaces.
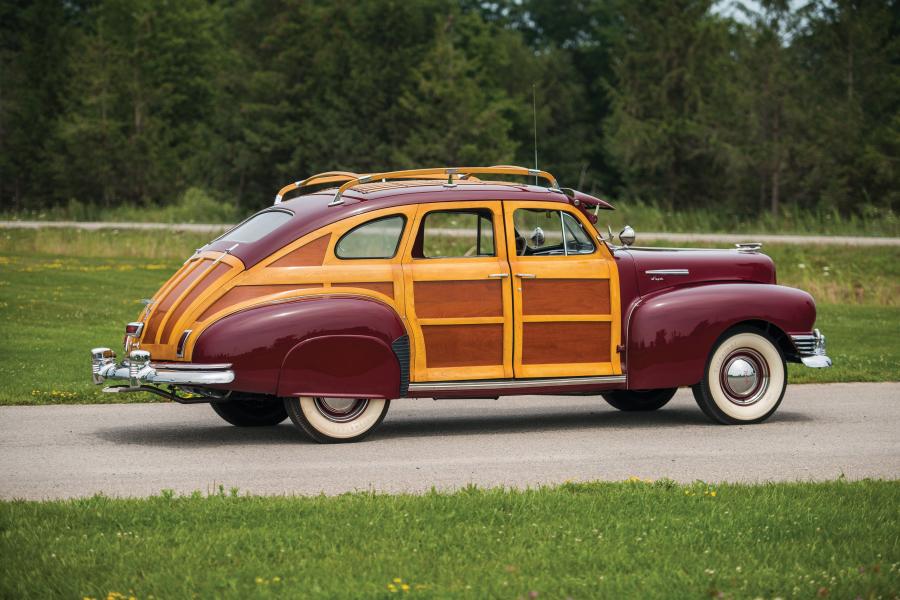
{"x":682,"y":103}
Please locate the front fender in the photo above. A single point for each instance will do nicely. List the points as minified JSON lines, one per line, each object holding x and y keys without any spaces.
{"x":280,"y":348}
{"x":671,"y":333}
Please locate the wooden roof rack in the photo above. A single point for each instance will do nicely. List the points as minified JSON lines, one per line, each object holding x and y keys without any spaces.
{"x":349,"y":180}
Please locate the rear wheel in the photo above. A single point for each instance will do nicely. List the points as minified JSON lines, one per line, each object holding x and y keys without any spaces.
{"x":263,"y":412}
{"x":336,"y":420}
{"x":639,"y":400}
{"x":744,"y":380}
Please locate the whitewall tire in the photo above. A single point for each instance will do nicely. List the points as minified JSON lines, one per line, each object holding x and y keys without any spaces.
{"x":336,"y":420}
{"x":744,"y":380}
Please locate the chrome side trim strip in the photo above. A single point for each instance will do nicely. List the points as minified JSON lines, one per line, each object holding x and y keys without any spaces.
{"x":668,"y":272}
{"x":487,"y":384}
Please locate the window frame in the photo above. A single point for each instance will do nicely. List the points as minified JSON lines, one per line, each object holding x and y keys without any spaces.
{"x":479,"y":212}
{"x":562,"y":229}
{"x":366,"y":223}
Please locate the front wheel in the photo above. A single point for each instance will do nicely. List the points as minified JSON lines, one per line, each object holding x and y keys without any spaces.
{"x":336,"y":420}
{"x":639,"y":400}
{"x":744,"y":380}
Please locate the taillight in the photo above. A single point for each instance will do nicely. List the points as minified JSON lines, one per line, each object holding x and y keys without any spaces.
{"x":182,"y":341}
{"x":134,"y":329}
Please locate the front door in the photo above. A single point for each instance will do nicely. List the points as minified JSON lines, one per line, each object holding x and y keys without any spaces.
{"x":565,"y":294}
{"x":457,"y":293}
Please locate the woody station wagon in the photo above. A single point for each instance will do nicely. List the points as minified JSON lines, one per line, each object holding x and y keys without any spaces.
{"x":434,"y":283}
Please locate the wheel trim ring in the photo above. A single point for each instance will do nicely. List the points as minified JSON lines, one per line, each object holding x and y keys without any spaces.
{"x":761,"y":369}
{"x":336,"y":415}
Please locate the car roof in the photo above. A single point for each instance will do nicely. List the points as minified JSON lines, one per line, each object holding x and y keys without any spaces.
{"x":315,"y":210}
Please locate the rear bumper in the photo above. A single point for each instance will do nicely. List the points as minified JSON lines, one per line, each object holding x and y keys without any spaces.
{"x":139,"y":370}
{"x":811,"y":349}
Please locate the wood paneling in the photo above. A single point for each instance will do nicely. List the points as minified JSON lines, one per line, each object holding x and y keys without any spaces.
{"x":311,"y":254}
{"x":565,"y":342}
{"x":444,"y":299}
{"x":382,"y":287}
{"x":209,"y":278}
{"x":565,"y":297}
{"x":165,"y":303}
{"x":463,"y":345}
{"x":242,"y":293}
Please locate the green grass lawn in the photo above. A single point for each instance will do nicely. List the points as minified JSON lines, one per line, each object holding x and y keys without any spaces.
{"x":63,"y":292}
{"x":611,"y":540}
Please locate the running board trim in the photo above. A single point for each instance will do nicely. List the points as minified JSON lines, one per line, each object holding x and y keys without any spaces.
{"x":490,"y":384}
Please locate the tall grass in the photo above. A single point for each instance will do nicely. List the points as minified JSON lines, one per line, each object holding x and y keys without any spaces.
{"x":194,"y":206}
{"x":870,"y":221}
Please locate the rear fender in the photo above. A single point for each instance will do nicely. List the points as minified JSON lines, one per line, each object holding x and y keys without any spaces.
{"x":353,"y":366}
{"x":330,"y":345}
{"x":671,"y":333}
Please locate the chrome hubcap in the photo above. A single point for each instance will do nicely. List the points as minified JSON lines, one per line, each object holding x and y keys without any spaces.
{"x":744,"y":377}
{"x":341,"y":410}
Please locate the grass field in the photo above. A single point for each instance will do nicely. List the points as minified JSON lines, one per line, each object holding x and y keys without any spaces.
{"x":611,"y":540}
{"x":63,"y":291}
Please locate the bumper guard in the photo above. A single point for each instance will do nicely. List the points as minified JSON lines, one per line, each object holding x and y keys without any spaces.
{"x":137,"y":370}
{"x":811,"y":349}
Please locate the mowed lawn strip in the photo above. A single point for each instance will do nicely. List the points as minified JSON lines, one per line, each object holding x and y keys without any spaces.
{"x":631,"y":539}
{"x":55,"y":307}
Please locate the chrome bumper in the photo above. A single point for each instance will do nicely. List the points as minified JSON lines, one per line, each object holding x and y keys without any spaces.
{"x":138,"y":370}
{"x":811,"y":349}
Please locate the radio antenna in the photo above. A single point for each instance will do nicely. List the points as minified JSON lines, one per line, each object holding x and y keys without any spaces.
{"x":534,"y":124}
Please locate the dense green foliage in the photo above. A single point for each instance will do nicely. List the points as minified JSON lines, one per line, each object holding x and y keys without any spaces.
{"x":678,"y":103}
{"x":612,"y":540}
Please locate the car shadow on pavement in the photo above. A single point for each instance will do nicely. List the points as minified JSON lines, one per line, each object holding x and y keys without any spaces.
{"x":430,"y":424}
{"x":187,"y":436}
{"x":536,"y":423}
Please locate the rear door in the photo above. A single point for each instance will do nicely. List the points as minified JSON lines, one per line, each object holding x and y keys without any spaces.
{"x":565,"y":293}
{"x":458,"y":293}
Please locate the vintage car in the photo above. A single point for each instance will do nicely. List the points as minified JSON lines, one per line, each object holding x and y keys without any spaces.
{"x":435,"y":283}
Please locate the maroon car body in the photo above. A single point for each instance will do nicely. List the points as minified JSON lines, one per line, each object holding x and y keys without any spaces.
{"x":340,"y":301}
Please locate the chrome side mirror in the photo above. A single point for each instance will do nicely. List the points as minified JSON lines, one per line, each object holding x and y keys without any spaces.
{"x":626,"y":236}
{"x":537,"y":237}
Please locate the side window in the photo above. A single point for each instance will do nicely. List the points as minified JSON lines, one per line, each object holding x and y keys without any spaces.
{"x":541,"y":232}
{"x":455,"y":234}
{"x":577,"y":239}
{"x":375,"y":239}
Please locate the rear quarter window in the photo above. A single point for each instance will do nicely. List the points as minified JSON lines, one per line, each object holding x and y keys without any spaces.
{"x":374,"y":239}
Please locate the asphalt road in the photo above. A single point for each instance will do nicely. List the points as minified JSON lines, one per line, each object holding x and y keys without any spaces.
{"x":727,"y":239}
{"x":820,"y":432}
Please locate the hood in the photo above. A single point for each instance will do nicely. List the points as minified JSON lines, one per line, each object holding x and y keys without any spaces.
{"x":656,"y":269}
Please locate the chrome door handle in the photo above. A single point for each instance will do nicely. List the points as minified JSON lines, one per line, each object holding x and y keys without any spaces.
{"x":526,"y":275}
{"x":499,"y":275}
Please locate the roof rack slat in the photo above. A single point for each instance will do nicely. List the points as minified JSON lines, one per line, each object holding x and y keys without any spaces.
{"x":443,"y":171}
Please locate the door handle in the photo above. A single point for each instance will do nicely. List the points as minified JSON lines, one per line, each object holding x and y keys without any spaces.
{"x":526,"y":275}
{"x":499,"y":275}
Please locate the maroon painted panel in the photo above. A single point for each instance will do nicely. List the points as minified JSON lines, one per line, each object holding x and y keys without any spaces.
{"x":257,"y":340}
{"x":704,"y":266}
{"x":672,"y":332}
{"x":628,"y":295}
{"x":367,"y":368}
